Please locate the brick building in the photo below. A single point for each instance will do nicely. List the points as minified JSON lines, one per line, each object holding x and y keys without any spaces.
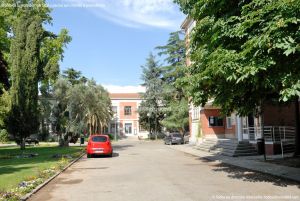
{"x":207,"y":122}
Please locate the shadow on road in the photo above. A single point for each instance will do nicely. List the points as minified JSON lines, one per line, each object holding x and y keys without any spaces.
{"x":105,"y":156}
{"x":248,"y":175}
{"x":122,"y":147}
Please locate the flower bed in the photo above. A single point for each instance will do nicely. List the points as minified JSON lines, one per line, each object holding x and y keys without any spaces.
{"x":40,"y":173}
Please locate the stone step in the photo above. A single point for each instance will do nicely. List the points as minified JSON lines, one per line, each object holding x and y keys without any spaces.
{"x":235,"y":147}
{"x":245,"y":154}
{"x":225,"y":141}
{"x":227,"y":147}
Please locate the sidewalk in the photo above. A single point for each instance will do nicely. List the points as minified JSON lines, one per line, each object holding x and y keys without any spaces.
{"x":247,"y":162}
{"x":8,"y":145}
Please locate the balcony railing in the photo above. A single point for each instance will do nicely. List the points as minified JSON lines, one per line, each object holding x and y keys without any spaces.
{"x":279,"y":133}
{"x":271,"y":133}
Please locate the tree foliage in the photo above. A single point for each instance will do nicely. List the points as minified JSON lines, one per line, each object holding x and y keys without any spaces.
{"x":150,"y":110}
{"x":5,"y":14}
{"x":79,"y":108}
{"x":5,"y":106}
{"x":177,"y":115}
{"x":175,"y":100}
{"x":73,"y":76}
{"x":243,"y":52}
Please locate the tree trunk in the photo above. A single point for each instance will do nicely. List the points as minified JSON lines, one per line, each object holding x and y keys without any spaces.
{"x":64,"y":140}
{"x":22,"y":144}
{"x":60,"y":140}
{"x":297,"y":127}
{"x":90,"y":125}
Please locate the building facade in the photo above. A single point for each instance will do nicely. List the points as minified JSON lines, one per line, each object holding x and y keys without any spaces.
{"x":125,"y":121}
{"x":277,"y":130}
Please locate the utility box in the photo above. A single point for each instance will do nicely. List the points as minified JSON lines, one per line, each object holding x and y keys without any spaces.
{"x":260,"y":146}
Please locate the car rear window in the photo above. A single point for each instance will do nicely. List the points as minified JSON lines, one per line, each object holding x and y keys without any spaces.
{"x":99,"y":139}
{"x":177,"y":135}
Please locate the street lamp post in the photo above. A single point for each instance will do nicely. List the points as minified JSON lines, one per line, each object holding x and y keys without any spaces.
{"x":116,"y":127}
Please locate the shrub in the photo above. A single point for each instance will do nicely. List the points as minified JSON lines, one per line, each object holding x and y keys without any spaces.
{"x":3,"y":136}
{"x":112,"y":136}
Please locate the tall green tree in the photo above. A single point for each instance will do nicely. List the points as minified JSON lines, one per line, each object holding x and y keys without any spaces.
{"x":25,"y":48}
{"x":30,"y":65}
{"x":244,"y":53}
{"x":59,"y":115}
{"x":150,"y":111}
{"x":175,"y":100}
{"x":51,"y":54}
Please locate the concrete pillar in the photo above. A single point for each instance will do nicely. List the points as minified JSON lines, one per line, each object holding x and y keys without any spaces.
{"x":239,"y":128}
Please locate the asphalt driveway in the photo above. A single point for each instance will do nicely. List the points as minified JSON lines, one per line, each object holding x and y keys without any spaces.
{"x":143,"y":170}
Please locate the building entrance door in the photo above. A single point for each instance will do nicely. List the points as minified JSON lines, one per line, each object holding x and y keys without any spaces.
{"x":128,"y":128}
{"x":248,"y":126}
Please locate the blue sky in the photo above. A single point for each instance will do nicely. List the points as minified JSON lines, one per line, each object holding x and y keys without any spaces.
{"x":111,"y":39}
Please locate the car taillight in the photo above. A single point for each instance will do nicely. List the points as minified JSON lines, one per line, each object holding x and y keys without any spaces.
{"x":89,"y":143}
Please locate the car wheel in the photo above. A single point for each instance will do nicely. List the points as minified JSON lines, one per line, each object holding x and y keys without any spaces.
{"x":88,"y":155}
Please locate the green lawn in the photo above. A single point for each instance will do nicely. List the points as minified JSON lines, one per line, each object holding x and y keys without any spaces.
{"x":13,"y":170}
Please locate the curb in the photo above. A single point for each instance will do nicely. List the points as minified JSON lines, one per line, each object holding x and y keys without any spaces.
{"x":287,"y":177}
{"x":39,"y":187}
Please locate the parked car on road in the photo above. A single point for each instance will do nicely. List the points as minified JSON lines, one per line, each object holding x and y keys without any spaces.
{"x":99,"y":145}
{"x":174,"y":138}
{"x":27,"y":140}
{"x":30,"y":140}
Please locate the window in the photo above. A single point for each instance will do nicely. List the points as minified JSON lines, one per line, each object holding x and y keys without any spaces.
{"x":176,"y":135}
{"x":114,"y":109}
{"x":196,"y":113}
{"x":128,"y":128}
{"x":127,"y":110}
{"x":99,"y":139}
{"x":215,"y":121}
{"x":228,"y":122}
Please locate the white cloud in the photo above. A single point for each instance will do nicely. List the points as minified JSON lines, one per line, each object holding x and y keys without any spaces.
{"x":124,"y":89}
{"x":137,"y":13}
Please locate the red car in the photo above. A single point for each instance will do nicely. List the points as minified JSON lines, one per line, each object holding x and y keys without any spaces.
{"x":99,"y":145}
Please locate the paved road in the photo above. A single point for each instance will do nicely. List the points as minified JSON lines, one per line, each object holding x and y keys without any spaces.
{"x":151,"y":171}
